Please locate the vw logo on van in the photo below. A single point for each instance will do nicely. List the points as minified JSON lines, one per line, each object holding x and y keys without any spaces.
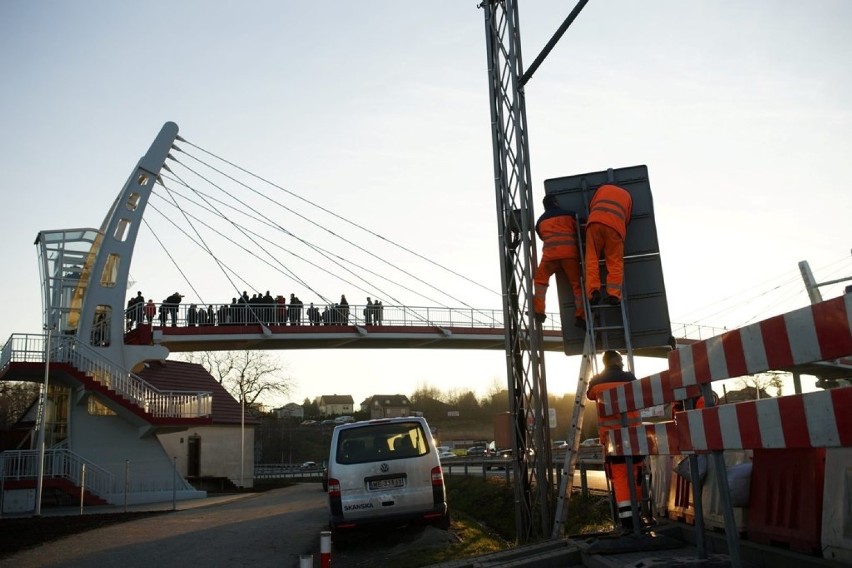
{"x":384,"y":467}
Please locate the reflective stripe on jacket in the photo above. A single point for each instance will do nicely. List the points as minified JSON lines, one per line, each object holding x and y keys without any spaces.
{"x":611,"y":206}
{"x":558,"y":232}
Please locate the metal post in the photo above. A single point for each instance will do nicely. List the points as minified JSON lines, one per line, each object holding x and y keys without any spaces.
{"x":82,"y":486}
{"x":724,"y":491}
{"x":43,"y":423}
{"x":242,"y":431}
{"x":2,"y":483}
{"x":697,"y":505}
{"x":174,"y":483}
{"x":126,"y":482}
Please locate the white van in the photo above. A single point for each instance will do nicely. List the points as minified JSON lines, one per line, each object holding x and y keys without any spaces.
{"x":385,"y":471}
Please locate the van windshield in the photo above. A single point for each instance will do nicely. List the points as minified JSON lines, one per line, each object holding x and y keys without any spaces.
{"x":381,"y":442}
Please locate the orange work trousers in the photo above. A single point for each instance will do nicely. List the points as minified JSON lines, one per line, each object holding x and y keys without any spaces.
{"x":546,"y":269}
{"x":616,"y":470}
{"x":602,"y":240}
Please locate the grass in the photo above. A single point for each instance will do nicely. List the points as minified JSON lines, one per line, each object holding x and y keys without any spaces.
{"x":483,"y":520}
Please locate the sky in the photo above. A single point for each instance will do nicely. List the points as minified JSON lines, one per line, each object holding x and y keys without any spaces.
{"x":379,"y":111}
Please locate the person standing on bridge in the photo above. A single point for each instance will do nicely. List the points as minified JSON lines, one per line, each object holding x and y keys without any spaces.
{"x":557,"y":229}
{"x":368,"y":312}
{"x":612,"y":376}
{"x":150,"y":311}
{"x":609,"y":215}
{"x":344,"y":310}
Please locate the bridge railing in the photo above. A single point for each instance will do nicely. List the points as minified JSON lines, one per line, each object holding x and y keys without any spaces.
{"x":192,"y":315}
{"x":63,"y":349}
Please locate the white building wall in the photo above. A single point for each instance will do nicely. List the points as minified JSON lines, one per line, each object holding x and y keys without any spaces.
{"x":220,"y":452}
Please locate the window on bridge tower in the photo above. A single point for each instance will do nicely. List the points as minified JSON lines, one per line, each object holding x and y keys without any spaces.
{"x":100,"y":327}
{"x":132,"y":201}
{"x":121,"y":229}
{"x":110,"y":273}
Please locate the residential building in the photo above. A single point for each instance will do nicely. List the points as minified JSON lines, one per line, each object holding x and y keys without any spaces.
{"x":336,"y":404}
{"x":290,"y":410}
{"x":387,"y":406}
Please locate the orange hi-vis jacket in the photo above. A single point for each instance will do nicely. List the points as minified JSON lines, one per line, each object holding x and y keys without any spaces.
{"x":558,"y":232}
{"x":611,"y":206}
{"x":611,"y":377}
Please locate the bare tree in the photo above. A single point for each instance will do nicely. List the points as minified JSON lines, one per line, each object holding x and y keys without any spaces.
{"x":247,"y":375}
{"x":15,"y":399}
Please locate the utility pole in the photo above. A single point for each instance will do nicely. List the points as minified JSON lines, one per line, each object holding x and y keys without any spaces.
{"x":527,"y":383}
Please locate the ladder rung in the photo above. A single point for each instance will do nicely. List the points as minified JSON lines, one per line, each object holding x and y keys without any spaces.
{"x":608,"y":327}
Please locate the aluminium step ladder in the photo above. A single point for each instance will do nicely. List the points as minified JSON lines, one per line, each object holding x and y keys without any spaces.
{"x":603,"y":321}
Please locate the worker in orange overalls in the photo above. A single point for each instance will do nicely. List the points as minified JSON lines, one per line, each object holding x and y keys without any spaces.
{"x":557,"y":229}
{"x":609,"y":215}
{"x":614,"y":375}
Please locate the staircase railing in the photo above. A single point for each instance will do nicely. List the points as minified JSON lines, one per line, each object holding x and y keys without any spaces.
{"x":158,"y":403}
{"x":19,"y":465}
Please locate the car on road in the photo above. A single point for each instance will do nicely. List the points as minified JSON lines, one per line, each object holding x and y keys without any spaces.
{"x":560,"y":445}
{"x":588,"y":442}
{"x":385,"y":471}
{"x":309,"y":423}
{"x":446,"y":455}
{"x":308,"y":465}
{"x":478,"y":451}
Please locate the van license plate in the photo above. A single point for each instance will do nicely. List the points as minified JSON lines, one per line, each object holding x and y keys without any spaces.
{"x":386,"y":483}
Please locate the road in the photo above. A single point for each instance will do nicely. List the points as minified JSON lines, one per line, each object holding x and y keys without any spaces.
{"x":273,"y":528}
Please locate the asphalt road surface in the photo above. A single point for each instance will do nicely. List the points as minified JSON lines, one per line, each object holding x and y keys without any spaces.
{"x":273,"y":528}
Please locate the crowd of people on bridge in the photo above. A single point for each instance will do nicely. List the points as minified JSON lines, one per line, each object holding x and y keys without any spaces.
{"x":246,"y":310}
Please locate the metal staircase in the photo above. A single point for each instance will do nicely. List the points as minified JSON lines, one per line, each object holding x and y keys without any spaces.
{"x":119,"y":384}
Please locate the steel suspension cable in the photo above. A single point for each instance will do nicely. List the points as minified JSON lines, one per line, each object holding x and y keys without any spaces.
{"x":272,"y":224}
{"x":239,"y":228}
{"x":252,"y":253}
{"x":196,"y":243}
{"x":362,"y":249}
{"x":332,"y":257}
{"x":186,"y":279}
{"x":328,"y":211}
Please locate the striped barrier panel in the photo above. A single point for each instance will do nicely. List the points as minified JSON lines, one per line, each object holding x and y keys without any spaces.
{"x":815,"y":333}
{"x":810,"y":428}
{"x":811,"y":420}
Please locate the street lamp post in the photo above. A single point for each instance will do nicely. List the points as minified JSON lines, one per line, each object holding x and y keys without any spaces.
{"x":242,"y":433}
{"x":42,"y":426}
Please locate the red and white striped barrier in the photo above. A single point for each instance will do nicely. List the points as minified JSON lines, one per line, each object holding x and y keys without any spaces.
{"x":818,"y":332}
{"x":815,"y":333}
{"x":812,"y":420}
{"x":807,"y":427}
{"x":325,"y":549}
